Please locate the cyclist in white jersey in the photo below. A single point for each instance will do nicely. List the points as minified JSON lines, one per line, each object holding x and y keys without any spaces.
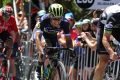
{"x":108,"y":25}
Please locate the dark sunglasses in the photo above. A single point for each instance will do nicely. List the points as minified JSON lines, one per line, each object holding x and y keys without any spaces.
{"x":7,"y":14}
{"x":58,"y":19}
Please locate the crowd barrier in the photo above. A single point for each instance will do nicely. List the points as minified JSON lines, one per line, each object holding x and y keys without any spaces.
{"x":84,"y":64}
{"x":80,"y":66}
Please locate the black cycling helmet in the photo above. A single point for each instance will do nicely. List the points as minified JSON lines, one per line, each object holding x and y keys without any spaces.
{"x":95,"y":21}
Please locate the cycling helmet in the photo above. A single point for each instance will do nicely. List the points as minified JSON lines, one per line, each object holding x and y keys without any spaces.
{"x":7,"y":11}
{"x":41,"y":13}
{"x":69,"y":16}
{"x":56,"y":10}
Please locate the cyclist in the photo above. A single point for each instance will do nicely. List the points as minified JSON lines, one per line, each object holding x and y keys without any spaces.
{"x":53,"y":29}
{"x":36,"y":30}
{"x":38,"y":18}
{"x":8,"y":30}
{"x":108,"y":25}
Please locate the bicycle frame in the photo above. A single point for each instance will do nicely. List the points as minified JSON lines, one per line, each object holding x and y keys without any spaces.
{"x":54,"y":60}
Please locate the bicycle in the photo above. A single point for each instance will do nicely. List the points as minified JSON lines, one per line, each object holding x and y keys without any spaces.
{"x":55,"y":68}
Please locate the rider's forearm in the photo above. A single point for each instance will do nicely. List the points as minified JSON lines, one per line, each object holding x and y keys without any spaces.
{"x":38,"y":42}
{"x":107,"y":45}
{"x":13,"y":36}
{"x":18,"y":38}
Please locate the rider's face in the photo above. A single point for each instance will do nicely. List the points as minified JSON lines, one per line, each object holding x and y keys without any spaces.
{"x":71,"y":21}
{"x":55,"y":22}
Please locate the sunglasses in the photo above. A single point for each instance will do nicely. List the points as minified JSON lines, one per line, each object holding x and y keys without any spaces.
{"x":57,"y":19}
{"x":7,"y":15}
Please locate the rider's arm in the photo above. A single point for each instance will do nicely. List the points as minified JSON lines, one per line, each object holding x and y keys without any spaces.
{"x":39,"y":28}
{"x":62,"y":39}
{"x":13,"y":35}
{"x":38,"y":35}
{"x":106,"y":38}
{"x":64,"y":36}
{"x":15,"y":29}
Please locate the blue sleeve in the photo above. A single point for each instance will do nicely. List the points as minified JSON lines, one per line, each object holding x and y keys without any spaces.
{"x":65,"y":27}
{"x":44,"y":17}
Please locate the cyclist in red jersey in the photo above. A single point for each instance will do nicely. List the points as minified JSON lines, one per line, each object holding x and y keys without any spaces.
{"x":8,"y":33}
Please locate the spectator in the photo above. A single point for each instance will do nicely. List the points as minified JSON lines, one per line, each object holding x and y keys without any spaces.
{"x":24,"y":23}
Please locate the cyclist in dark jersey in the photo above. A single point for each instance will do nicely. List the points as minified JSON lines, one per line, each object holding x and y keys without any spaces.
{"x":53,"y":29}
{"x":109,"y":25}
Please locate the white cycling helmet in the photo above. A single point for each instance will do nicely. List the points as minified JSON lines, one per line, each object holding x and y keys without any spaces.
{"x":41,"y":13}
{"x":69,"y":16}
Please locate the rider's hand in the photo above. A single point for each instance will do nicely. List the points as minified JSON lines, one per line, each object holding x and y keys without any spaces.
{"x":114,"y":56}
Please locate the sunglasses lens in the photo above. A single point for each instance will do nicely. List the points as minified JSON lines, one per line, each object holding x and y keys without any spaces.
{"x":58,"y":19}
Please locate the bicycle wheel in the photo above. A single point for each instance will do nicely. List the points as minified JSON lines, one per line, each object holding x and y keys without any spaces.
{"x":106,"y":77}
{"x":19,"y":70}
{"x":118,"y":78}
{"x":59,"y":72}
{"x":32,"y":72}
{"x":109,"y":73}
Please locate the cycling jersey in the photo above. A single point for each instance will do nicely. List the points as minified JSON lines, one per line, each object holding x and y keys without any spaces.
{"x":49,"y":32}
{"x":109,"y":23}
{"x":8,"y":26}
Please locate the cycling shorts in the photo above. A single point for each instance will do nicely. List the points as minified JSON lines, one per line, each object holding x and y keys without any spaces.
{"x":101,"y":49}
